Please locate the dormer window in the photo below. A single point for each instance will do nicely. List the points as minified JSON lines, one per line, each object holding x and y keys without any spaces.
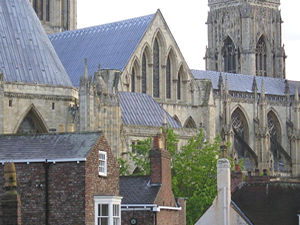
{"x":102,"y":163}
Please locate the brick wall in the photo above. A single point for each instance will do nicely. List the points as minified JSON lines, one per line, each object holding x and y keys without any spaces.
{"x":65,"y":194}
{"x":97,"y":185}
{"x":143,"y":217}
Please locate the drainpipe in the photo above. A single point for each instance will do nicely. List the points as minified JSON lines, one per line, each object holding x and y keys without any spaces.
{"x":46,"y":165}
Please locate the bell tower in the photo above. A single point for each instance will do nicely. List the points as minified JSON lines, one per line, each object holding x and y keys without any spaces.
{"x":56,"y":15}
{"x":244,"y":36}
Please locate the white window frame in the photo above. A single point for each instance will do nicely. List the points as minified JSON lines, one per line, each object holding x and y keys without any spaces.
{"x":111,"y":201}
{"x":102,"y":163}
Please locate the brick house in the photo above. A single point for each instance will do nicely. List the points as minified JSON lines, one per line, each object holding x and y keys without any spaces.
{"x":64,"y":178}
{"x":149,"y":200}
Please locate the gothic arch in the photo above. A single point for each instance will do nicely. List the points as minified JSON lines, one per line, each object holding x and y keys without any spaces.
{"x":274,"y":126}
{"x":175,"y":117}
{"x":32,"y":122}
{"x":240,"y":123}
{"x":261,"y":56}
{"x":156,"y":68}
{"x":180,"y":75}
{"x":134,"y":74}
{"x":229,"y":53}
{"x":146,"y":75}
{"x":161,"y":40}
{"x":190,"y":123}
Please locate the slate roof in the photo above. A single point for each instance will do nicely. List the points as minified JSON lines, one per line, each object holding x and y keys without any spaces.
{"x":26,"y":54}
{"x":243,"y":83}
{"x":110,"y":45}
{"x":142,"y":109}
{"x":69,"y":146}
{"x":137,"y":190}
{"x":273,"y":203}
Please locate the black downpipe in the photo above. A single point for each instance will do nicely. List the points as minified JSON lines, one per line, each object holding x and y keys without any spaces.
{"x":46,"y":193}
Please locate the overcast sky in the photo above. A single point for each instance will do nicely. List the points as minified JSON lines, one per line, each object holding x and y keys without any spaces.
{"x":186,"y":20}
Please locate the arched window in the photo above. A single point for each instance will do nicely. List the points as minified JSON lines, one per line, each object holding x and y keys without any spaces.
{"x":261,"y":57}
{"x":48,"y":10}
{"x":32,"y":124}
{"x":179,"y":84}
{"x":168,"y":78}
{"x":133,"y":80}
{"x":156,"y":69}
{"x":239,"y":124}
{"x":190,"y":123}
{"x":144,"y":74}
{"x":229,"y":56}
{"x":274,"y":126}
{"x":175,"y":117}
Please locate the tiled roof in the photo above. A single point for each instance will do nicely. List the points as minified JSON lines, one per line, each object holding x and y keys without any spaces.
{"x":272,"y":203}
{"x":142,"y":109}
{"x":137,"y":190}
{"x":26,"y":54}
{"x":110,"y":45}
{"x":243,"y":83}
{"x":46,"y":146}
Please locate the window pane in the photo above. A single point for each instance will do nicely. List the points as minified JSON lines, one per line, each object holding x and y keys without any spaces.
{"x":156,"y":69}
{"x":116,"y":221}
{"x":99,"y":208}
{"x":104,"y":221}
{"x":116,"y":211}
{"x":104,"y":211}
{"x":144,"y":74}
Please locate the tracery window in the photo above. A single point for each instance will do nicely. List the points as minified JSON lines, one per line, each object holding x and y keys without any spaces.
{"x":144,"y":74}
{"x":261,"y":58}
{"x":239,"y":124}
{"x":156,"y":69}
{"x":229,"y":56}
{"x":32,"y":124}
{"x":133,"y":80}
{"x":274,"y":126}
{"x":190,"y":123}
{"x":168,"y":78}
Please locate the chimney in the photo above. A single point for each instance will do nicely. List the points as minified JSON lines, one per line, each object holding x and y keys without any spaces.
{"x":224,"y":191}
{"x":160,"y":160}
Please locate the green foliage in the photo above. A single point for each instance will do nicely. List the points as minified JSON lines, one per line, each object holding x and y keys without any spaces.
{"x":194,"y":171}
{"x":195,"y":175}
{"x":124,"y":167}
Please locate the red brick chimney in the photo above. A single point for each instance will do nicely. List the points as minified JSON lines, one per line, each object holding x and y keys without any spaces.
{"x":160,"y":161}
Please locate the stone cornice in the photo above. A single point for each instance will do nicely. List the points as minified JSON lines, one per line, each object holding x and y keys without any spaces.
{"x":39,"y":96}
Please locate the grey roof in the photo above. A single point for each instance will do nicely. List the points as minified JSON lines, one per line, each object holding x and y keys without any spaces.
{"x":26,"y":54}
{"x":137,"y":190}
{"x":110,"y":45}
{"x":142,"y":109}
{"x":46,"y":146}
{"x":243,"y":83}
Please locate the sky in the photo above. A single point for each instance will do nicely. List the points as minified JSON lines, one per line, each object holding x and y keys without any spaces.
{"x":186,"y":20}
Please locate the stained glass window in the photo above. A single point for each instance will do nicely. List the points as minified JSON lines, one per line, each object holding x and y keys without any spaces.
{"x":156,"y":69}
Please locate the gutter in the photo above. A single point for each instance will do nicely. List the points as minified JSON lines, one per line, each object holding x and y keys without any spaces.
{"x":28,"y":161}
{"x":147,"y":207}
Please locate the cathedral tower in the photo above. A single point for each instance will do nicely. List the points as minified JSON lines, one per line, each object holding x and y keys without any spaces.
{"x":56,"y":15}
{"x":244,"y":36}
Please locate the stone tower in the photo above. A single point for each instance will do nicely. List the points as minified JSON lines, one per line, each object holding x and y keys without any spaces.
{"x":56,"y":15}
{"x":244,"y":36}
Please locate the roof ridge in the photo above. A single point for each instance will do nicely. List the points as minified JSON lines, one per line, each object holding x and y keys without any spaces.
{"x":50,"y":134}
{"x":98,"y":27}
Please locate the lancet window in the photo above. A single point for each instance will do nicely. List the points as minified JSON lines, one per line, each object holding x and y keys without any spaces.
{"x":261,"y":57}
{"x":168,"y":78}
{"x":144,"y":74}
{"x":156,"y":69}
{"x":229,"y":56}
{"x":133,"y":80}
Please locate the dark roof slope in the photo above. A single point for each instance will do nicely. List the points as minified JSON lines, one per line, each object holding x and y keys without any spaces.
{"x":243,"y":83}
{"x":137,"y":190}
{"x":142,"y":109}
{"x":69,"y":146}
{"x":26,"y":54}
{"x":274,"y":203}
{"x":110,"y":45}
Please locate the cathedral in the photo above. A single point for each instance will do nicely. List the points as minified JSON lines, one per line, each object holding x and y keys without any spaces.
{"x":129,"y":78}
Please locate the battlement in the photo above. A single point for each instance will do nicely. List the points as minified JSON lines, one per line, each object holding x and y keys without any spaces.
{"x":226,"y":3}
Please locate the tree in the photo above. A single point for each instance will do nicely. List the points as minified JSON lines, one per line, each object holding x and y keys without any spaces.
{"x":195,"y":175}
{"x":194,"y":172}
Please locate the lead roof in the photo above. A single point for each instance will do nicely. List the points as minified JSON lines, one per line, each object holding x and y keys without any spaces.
{"x":110,"y":45}
{"x":142,"y":109}
{"x":243,"y":83}
{"x":26,"y":54}
{"x":47,"y":146}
